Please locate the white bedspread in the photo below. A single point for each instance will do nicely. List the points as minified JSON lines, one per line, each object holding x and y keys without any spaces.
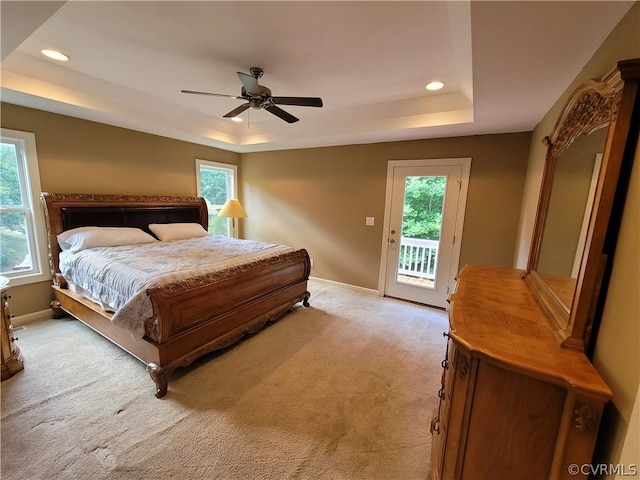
{"x":117,"y":278}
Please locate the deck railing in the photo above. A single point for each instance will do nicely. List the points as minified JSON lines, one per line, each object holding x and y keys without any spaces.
{"x":418,"y":258}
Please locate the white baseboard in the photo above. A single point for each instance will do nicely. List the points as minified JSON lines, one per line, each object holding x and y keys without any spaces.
{"x":369,"y":291}
{"x":32,"y":317}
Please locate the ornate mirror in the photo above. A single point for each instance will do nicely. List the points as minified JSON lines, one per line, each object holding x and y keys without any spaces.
{"x":589,"y":156}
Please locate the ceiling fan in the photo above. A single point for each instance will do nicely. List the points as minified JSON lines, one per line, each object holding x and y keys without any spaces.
{"x":258,"y":96}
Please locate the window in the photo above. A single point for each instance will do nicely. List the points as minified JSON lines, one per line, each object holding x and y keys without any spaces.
{"x":22,"y":230}
{"x":217,"y":182}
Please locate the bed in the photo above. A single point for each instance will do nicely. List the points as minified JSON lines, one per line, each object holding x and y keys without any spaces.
{"x":190,"y":317}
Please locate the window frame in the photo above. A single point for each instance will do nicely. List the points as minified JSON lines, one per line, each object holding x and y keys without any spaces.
{"x":29,"y":175}
{"x":232,"y":185}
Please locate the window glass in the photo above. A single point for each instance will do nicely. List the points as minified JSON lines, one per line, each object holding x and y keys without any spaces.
{"x":16,"y":251}
{"x":22,"y":231}
{"x":216,"y":184}
{"x":10,"y":192}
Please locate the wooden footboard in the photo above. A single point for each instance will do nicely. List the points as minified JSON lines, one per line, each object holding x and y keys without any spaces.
{"x":181,"y":306}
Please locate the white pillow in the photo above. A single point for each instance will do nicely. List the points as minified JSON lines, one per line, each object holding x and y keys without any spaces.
{"x":177,"y":231}
{"x":88,"y":237}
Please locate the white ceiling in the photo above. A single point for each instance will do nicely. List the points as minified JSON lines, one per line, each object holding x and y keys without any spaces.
{"x":504,"y":64}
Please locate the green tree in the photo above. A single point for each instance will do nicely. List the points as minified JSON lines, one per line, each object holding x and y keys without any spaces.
{"x":213,"y":185}
{"x":423,"y":202}
{"x":13,"y":242}
{"x":10,"y":187}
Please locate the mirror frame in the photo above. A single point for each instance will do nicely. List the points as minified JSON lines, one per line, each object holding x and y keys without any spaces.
{"x":613,"y":99}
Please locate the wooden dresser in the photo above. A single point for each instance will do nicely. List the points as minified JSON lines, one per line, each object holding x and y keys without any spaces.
{"x":513,"y":404}
{"x":11,"y":356}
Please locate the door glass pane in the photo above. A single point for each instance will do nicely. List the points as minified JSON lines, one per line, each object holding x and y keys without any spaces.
{"x":421,"y":228}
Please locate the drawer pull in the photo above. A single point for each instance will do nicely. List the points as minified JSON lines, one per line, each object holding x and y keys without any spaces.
{"x":435,"y":425}
{"x":585,"y":418}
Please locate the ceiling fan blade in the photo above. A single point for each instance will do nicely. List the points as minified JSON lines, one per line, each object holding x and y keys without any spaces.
{"x":250,"y":83}
{"x":301,"y":101}
{"x":278,"y":112}
{"x":194,"y":92}
{"x":237,"y":111}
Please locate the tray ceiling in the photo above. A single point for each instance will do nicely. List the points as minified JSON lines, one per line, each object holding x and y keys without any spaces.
{"x":503,"y":64}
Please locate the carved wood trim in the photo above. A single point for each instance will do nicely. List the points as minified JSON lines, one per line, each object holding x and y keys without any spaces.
{"x":463,"y":365}
{"x":57,"y":311}
{"x":108,"y":198}
{"x":585,"y":417}
{"x":160,"y":377}
{"x":593,"y":104}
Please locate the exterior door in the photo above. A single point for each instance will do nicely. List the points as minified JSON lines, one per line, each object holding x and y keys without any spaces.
{"x":423,"y":228}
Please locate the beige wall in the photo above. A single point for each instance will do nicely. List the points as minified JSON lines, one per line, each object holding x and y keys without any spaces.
{"x":312,"y":198}
{"x":617,"y":355}
{"x":78,"y":156}
{"x":318,"y":199}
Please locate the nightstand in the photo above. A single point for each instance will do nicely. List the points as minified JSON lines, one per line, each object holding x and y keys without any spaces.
{"x":11,"y":356}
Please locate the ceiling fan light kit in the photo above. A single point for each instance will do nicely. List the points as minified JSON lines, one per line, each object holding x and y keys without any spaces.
{"x":259,"y":97}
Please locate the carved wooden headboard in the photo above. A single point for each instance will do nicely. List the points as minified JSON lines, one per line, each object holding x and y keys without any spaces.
{"x":73,"y":210}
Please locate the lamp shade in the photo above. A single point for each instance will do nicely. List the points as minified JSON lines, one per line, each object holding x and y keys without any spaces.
{"x":232,"y":208}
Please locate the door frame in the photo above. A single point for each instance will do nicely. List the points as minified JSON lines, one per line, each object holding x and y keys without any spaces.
{"x":465,"y":163}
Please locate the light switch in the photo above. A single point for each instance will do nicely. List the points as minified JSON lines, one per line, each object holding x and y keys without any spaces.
{"x":369,"y":221}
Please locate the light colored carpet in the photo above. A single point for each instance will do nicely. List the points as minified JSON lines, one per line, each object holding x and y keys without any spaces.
{"x":341,"y":390}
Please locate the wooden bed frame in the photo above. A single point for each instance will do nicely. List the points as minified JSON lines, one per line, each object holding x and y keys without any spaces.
{"x":190,"y":318}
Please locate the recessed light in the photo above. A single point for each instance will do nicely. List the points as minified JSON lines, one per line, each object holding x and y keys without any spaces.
{"x":434,"y":85}
{"x":236,"y":119}
{"x":54,"y":54}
